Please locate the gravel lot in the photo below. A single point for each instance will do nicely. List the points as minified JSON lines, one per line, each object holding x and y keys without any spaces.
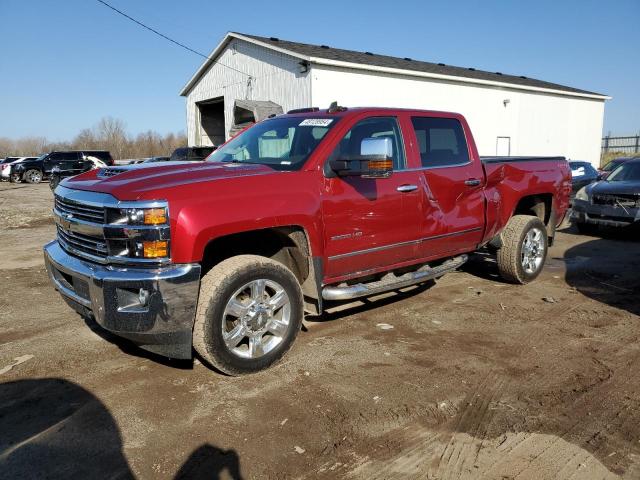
{"x":476,"y":379}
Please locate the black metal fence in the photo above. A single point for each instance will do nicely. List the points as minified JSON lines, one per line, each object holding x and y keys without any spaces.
{"x":621,"y":144}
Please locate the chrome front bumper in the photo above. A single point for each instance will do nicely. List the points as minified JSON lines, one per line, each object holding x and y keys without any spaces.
{"x":162,"y":324}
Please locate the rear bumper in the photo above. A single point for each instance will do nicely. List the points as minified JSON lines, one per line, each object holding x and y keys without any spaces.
{"x":605,"y":215}
{"x":163,"y":324}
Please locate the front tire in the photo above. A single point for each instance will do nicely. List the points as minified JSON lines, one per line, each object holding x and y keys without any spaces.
{"x":524,"y":249}
{"x":33,"y":176}
{"x":250,"y":311}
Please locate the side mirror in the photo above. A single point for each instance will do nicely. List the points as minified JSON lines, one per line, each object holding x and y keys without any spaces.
{"x":375,"y":160}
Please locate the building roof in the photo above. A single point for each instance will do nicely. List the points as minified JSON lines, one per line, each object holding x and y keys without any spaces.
{"x":323,"y":54}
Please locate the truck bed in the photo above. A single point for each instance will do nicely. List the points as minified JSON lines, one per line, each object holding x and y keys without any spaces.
{"x":508,"y":177}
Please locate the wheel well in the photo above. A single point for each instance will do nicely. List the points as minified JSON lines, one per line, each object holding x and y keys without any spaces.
{"x":541,"y":207}
{"x":537,"y":205}
{"x":287,"y":245}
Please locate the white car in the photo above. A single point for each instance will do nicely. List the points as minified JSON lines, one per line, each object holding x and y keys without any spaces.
{"x":5,"y":166}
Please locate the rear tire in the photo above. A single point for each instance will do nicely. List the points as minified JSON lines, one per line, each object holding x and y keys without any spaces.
{"x":33,"y":176}
{"x":524,"y":249}
{"x":250,"y":310}
{"x":15,"y":178}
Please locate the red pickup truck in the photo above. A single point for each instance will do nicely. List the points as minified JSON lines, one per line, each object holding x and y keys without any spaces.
{"x":311,"y":207}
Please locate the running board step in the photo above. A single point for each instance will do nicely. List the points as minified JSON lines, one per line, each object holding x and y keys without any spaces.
{"x":391,"y":282}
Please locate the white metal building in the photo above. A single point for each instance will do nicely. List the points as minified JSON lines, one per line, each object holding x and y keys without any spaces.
{"x":509,"y":115}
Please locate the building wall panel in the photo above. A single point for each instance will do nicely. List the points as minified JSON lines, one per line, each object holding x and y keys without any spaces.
{"x":276,"y":77}
{"x":536,"y":123}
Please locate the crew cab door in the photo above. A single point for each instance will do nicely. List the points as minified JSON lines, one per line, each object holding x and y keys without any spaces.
{"x":370,"y":223}
{"x":452,"y":184}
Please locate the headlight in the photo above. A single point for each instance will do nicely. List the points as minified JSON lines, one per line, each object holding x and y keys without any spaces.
{"x":142,"y":233}
{"x":138,"y":216}
{"x":146,"y":216}
{"x":582,"y":194}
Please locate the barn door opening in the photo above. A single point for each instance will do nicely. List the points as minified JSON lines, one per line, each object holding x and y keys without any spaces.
{"x":503,"y":146}
{"x":211,"y":129}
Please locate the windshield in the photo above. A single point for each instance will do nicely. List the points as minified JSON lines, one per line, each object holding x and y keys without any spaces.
{"x":627,"y":172}
{"x":611,"y":165}
{"x":280,"y":143}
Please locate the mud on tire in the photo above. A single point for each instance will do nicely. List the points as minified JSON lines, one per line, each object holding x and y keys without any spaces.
{"x":511,"y":255}
{"x":214,"y":325}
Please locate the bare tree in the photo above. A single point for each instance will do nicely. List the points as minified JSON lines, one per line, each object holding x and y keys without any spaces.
{"x":108,"y":134}
{"x":112,"y":133}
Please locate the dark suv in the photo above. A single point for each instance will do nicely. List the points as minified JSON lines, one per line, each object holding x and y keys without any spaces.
{"x":191,"y":154}
{"x":71,"y":163}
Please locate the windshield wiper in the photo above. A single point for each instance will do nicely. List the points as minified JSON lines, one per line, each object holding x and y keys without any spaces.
{"x":236,"y":161}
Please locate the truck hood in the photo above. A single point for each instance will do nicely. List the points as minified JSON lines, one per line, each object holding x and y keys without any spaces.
{"x":132,"y":182}
{"x":615,"y":188}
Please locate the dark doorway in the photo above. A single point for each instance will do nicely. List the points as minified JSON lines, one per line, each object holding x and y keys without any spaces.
{"x":212,"y":130}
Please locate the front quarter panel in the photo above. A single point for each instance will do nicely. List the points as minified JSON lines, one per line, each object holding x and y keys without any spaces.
{"x":202,"y":212}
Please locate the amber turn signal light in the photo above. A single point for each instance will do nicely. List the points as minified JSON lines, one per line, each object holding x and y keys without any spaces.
{"x":380,"y":165}
{"x":155,"y":216}
{"x":155,"y":249}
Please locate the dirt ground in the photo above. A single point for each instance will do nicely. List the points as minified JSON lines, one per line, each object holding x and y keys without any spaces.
{"x":476,"y":379}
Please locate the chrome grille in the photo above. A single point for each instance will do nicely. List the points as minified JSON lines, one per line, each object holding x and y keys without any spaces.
{"x":82,"y":244}
{"x":79,"y":210}
{"x":87,"y":227}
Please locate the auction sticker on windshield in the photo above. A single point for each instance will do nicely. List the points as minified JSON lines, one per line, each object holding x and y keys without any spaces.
{"x":316,"y":122}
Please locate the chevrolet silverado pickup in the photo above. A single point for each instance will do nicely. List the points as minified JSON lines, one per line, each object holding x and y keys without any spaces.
{"x":224,"y":257}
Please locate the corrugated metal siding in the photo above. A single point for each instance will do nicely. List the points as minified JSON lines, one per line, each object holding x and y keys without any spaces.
{"x":276,"y":77}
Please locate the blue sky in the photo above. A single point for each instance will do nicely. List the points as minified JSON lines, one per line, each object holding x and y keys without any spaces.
{"x":64,"y":64}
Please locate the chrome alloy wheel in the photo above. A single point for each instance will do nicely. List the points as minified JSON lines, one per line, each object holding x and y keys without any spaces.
{"x":256,"y":318}
{"x":532,"y":250}
{"x":34,"y":176}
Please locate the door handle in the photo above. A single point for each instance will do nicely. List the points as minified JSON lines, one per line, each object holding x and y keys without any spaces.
{"x":472,"y":182}
{"x":407,"y":188}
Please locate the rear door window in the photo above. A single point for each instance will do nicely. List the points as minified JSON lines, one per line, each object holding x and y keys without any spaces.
{"x":441,"y":141}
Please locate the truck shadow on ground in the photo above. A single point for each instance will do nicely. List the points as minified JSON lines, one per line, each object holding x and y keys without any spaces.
{"x":338,"y":310}
{"x":482,"y":264}
{"x":131,"y":348}
{"x":606,"y":269}
{"x":53,"y":428}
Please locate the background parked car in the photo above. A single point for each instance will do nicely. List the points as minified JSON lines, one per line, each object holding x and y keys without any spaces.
{"x":612,"y":165}
{"x":9,"y":160}
{"x":191,"y":154}
{"x":147,"y":160}
{"x":34,"y":171}
{"x":59,"y":173}
{"x":156,"y":159}
{"x":7,"y":167}
{"x":614,"y":202}
{"x":582,"y":174}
